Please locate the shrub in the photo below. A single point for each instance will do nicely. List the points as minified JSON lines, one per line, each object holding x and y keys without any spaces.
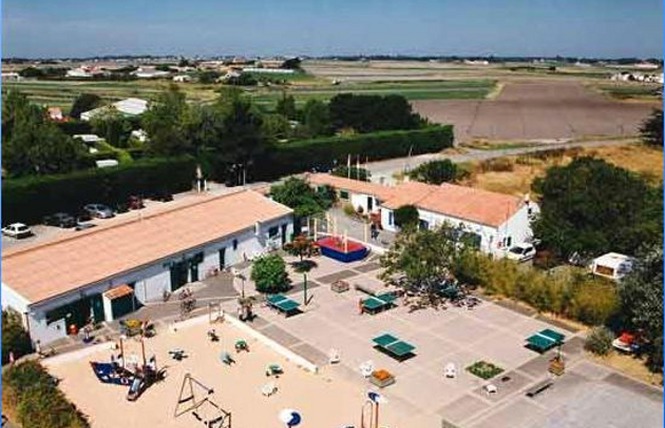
{"x":407,"y":216}
{"x":484,"y":370}
{"x":269,"y":274}
{"x":349,"y":210}
{"x":32,"y":393}
{"x":599,"y":340}
{"x":28,"y":199}
{"x":594,"y":301}
{"x":14,"y":337}
{"x":497,"y":165}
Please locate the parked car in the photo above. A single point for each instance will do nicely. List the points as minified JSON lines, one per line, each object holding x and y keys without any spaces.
{"x":63,"y":220}
{"x":17,"y":230}
{"x":99,"y":211}
{"x":521,"y":252}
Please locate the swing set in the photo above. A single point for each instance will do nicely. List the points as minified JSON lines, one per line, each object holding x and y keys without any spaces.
{"x":197,"y":399}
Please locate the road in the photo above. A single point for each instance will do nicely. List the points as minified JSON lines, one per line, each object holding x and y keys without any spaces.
{"x":383,"y":171}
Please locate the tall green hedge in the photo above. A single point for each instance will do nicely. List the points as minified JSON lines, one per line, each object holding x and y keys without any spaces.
{"x":321,"y":153}
{"x":29,"y":199}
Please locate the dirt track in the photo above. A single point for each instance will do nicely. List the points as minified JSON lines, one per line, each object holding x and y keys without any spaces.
{"x":537,"y":110}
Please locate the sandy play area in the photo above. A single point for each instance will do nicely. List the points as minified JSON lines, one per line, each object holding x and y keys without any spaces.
{"x":323,"y":399}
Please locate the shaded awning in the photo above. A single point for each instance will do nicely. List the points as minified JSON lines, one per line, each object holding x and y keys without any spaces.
{"x":118,"y":292}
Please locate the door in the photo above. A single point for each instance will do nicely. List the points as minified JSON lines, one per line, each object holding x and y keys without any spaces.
{"x":178,"y":275}
{"x":97,"y":307}
{"x":193,"y":271}
{"x":222,"y":258}
{"x":284,"y":226}
{"x":370,"y":204}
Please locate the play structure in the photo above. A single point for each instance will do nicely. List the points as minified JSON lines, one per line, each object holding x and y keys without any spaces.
{"x":137,"y":381}
{"x":369,"y":416}
{"x":197,"y":399}
{"x":342,"y":249}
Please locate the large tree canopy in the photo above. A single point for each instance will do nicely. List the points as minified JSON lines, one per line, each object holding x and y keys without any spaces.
{"x":84,"y":102}
{"x":367,"y":113}
{"x":33,"y":145}
{"x":297,"y":194}
{"x":641,"y":294}
{"x":407,"y":217}
{"x":163,"y":122}
{"x":592,"y":207}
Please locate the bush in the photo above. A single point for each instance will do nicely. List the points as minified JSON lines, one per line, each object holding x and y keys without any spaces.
{"x":484,"y":370}
{"x":28,"y":199}
{"x":321,"y":153}
{"x":32,"y":393}
{"x":599,"y":341}
{"x":269,"y":274}
{"x":349,"y":210}
{"x":497,"y":165}
{"x":14,"y":337}
{"x":407,"y":216}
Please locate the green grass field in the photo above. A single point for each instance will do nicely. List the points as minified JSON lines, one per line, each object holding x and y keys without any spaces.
{"x":302,"y":87}
{"x":634,"y":90}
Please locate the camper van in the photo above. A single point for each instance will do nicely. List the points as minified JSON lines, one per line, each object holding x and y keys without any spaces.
{"x":612,"y":265}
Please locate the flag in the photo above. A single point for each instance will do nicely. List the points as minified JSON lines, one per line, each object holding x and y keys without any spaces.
{"x":348,"y":166}
{"x":358,"y":167}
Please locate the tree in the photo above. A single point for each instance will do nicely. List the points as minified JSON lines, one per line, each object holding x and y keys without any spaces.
{"x":269,"y":274}
{"x":276,"y":127}
{"x":599,"y":341}
{"x":84,"y":102}
{"x":33,"y":145}
{"x":407,"y":217}
{"x":641,"y":295}
{"x":368,"y":113}
{"x":209,"y":76}
{"x":291,"y":64}
{"x":651,"y":130}
{"x":316,"y":118}
{"x":297,"y":194}
{"x":163,"y":123}
{"x":286,"y":106}
{"x":302,"y":247}
{"x":592,"y":207}
{"x":423,"y":258}
{"x":435,"y":172}
{"x":112,"y":126}
{"x":14,"y":337}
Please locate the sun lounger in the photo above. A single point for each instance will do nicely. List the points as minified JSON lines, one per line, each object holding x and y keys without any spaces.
{"x":282,"y":303}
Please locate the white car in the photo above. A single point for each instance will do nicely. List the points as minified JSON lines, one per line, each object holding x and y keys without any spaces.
{"x":521,"y":252}
{"x":17,"y":230}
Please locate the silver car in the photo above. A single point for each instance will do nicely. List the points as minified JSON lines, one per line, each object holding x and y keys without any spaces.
{"x":99,"y":211}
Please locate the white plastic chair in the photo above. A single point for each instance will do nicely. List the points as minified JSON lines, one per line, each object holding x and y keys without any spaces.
{"x":450,"y":371}
{"x":333,"y":356}
{"x":367,"y":368}
{"x":269,"y":389}
{"x":491,"y":389}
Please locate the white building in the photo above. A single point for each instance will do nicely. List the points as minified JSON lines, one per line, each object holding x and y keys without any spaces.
{"x":150,"y":73}
{"x":87,"y":72}
{"x":495,"y":220}
{"x":184,"y":78}
{"x":110,"y":270}
{"x":128,"y":107}
{"x":11,"y":76}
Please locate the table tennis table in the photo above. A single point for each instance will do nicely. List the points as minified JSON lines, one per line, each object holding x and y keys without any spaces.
{"x":283,"y":304}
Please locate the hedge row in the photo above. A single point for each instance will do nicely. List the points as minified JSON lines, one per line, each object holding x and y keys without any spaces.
{"x":31,"y":394}
{"x":29,"y":199}
{"x":322,"y":153}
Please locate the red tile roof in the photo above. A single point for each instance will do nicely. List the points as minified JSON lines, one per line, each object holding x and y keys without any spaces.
{"x":355,"y":186}
{"x":49,"y":269}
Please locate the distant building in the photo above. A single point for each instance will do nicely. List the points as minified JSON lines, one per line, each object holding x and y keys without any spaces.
{"x":128,"y":107}
{"x":11,"y":77}
{"x":150,"y":73}
{"x":140,"y":135}
{"x":182,"y":78}
{"x":268,"y":70}
{"x":86,"y":72}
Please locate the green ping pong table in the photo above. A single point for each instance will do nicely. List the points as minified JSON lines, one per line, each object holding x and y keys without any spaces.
{"x":283,"y":303}
{"x":375,"y":304}
{"x":393,"y":345}
{"x":545,"y":340}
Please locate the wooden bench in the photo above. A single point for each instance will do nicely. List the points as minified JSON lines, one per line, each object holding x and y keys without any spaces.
{"x":539,"y":387}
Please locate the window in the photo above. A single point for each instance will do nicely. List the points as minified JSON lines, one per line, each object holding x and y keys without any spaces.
{"x":391,"y":218}
{"x":343,"y":194}
{"x":235,"y":244}
{"x":273,"y":231}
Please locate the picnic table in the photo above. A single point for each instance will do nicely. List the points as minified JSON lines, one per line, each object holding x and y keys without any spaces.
{"x":393,"y":345}
{"x":282,"y":303}
{"x":545,"y":340}
{"x":375,"y":304}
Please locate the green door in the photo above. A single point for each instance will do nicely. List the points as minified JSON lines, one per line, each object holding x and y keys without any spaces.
{"x":97,"y":307}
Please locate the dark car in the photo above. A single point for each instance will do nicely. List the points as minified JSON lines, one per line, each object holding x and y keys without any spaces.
{"x":63,"y":220}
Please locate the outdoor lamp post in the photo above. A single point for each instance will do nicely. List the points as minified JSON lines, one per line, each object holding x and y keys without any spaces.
{"x":242,"y":278}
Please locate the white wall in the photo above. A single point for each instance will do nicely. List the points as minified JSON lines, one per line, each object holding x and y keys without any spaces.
{"x":518,"y":227}
{"x":11,"y":298}
{"x":46,"y":333}
{"x":360,"y":200}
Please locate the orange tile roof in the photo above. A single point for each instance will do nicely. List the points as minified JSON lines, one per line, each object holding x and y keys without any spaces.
{"x":355,"y":186}
{"x":118,"y":292}
{"x":464,"y":203}
{"x":52,"y":268}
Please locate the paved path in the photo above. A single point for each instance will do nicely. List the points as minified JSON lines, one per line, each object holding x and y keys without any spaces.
{"x":386,"y":168}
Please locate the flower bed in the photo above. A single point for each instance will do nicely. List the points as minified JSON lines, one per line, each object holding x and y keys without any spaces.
{"x":484,"y":370}
{"x":382,"y":378}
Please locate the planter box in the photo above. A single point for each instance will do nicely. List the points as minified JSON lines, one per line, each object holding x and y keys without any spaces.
{"x":382,"y":383}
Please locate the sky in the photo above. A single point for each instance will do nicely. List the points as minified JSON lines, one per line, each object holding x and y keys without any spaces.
{"x":577,"y":28}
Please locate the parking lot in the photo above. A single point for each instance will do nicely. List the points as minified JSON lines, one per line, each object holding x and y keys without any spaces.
{"x":460,"y":336}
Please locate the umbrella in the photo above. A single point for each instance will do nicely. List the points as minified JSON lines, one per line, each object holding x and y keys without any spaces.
{"x":290,"y":417}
